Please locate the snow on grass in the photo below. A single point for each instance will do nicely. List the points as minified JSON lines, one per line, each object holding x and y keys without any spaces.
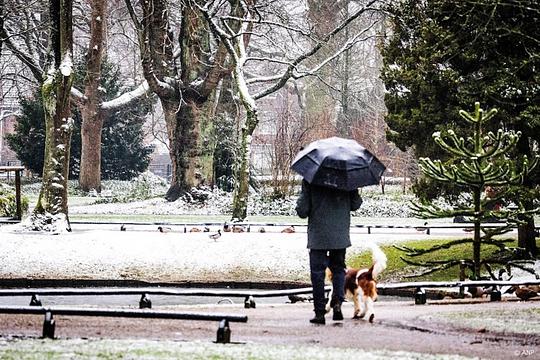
{"x":145,"y":195}
{"x":525,"y":321}
{"x":30,"y":349}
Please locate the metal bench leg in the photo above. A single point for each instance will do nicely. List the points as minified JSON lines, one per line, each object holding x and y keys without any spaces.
{"x":48,"y":326}
{"x":419,"y":296}
{"x":495,"y":294}
{"x":35,"y":301}
{"x":145,"y":303}
{"x":249,"y":302}
{"x":224,"y":332}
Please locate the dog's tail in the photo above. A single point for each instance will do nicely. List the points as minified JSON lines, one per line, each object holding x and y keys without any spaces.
{"x":379,"y":260}
{"x":329,"y":274}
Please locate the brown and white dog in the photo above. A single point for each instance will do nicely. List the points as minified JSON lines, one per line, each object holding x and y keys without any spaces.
{"x":361,"y":285}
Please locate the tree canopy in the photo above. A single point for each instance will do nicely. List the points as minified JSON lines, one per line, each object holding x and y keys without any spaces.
{"x":442,"y":55}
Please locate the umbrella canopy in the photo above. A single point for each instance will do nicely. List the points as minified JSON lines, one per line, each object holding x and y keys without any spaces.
{"x":338,"y":163}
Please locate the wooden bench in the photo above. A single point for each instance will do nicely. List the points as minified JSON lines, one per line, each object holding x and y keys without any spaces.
{"x":17,"y":170}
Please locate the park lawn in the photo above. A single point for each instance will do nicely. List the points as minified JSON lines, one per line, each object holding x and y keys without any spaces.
{"x":398,"y":270}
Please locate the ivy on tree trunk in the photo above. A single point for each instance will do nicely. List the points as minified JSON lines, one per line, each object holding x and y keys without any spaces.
{"x":52,"y":204}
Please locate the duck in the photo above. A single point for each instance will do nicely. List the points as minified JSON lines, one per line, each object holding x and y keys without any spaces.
{"x":164,"y":229}
{"x":226,"y":227}
{"x":525,"y":293}
{"x":289,"y":230}
{"x":262,"y":230}
{"x":123,"y":227}
{"x":215,"y":236}
{"x":477,"y":291}
{"x":299,"y":298}
{"x":238,"y":229}
{"x":194,"y":229}
{"x":422,"y":228}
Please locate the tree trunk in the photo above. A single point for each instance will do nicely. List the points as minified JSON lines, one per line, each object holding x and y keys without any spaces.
{"x":51,"y":210}
{"x":92,"y":117}
{"x":477,"y":241}
{"x":241,"y":193}
{"x":184,"y":148}
{"x":90,"y":172}
{"x":527,"y":232}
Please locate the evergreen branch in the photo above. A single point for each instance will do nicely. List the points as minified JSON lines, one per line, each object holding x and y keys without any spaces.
{"x":499,"y":243}
{"x":492,"y":232}
{"x":517,"y":264}
{"x":434,"y":169}
{"x":502,"y":143}
{"x":417,"y":252}
{"x":434,"y":211}
{"x":458,"y":149}
{"x":442,"y":266}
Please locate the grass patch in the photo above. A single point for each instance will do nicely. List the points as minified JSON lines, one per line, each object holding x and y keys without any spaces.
{"x":397,"y":269}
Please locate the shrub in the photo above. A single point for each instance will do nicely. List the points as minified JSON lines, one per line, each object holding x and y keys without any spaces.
{"x":8,"y":202}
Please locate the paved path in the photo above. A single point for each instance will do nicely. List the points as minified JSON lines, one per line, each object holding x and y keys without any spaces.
{"x":398,"y":326}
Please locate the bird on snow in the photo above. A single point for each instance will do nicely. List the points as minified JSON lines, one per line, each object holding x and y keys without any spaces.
{"x":194,"y":229}
{"x":289,"y":230}
{"x":422,"y":228}
{"x":525,"y":293}
{"x":206,"y":229}
{"x":215,"y":236}
{"x":123,"y":227}
{"x":226,"y":227}
{"x":262,"y":230}
{"x":164,"y":229}
{"x":238,"y":228}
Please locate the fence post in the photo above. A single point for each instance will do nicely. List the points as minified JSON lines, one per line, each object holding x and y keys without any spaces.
{"x":48,"y":325}
{"x":145,"y":303}
{"x":18,"y":194}
{"x":35,"y":301}
{"x":224,"y":332}
{"x":461,"y":278}
{"x":419,"y":296}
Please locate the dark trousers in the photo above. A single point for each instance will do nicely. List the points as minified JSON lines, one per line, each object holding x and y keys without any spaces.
{"x":319,"y":260}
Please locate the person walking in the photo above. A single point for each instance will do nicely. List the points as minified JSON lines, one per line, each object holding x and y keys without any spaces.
{"x":328,"y":212}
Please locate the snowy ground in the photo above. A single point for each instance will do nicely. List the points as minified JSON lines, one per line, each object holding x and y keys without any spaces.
{"x":150,"y":255}
{"x":142,"y":253}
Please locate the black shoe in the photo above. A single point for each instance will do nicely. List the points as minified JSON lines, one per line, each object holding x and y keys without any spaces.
{"x":338,"y":315}
{"x":318,"y":319}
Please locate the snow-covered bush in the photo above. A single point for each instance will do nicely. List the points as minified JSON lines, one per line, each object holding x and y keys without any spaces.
{"x":8,"y":202}
{"x":145,"y":186}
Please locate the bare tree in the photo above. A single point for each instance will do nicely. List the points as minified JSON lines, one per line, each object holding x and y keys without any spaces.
{"x":289,"y":62}
{"x":23,"y":33}
{"x":183,"y":65}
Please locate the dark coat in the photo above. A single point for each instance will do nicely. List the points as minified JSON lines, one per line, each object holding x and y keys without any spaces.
{"x":329,"y":215}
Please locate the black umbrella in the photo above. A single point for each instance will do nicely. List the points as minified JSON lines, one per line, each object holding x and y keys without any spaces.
{"x":338,"y":163}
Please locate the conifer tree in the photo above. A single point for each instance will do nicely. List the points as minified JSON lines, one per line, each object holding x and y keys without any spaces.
{"x":482,"y":166}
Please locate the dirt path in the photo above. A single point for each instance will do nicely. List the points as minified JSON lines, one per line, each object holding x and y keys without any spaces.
{"x":398,"y":326}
